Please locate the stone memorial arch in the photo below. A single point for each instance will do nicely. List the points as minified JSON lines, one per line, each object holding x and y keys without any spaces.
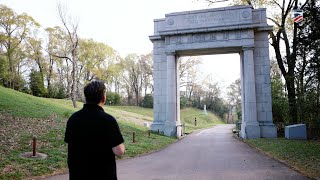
{"x":237,"y":29}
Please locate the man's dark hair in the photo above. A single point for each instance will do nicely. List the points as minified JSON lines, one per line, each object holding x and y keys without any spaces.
{"x":94,"y":92}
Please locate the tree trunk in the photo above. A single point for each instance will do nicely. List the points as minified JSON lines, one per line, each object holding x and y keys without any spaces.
{"x":74,"y":81}
{"x":11,"y":70}
{"x":137,"y":97}
{"x":292,"y":100}
{"x":50,"y":73}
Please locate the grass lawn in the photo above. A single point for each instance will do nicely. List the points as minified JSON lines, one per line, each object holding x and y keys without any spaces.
{"x":187,"y":116}
{"x":23,"y":116}
{"x":134,"y":109}
{"x":302,"y":155}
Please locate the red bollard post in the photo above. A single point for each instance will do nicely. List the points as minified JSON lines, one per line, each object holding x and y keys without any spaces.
{"x":34,"y":146}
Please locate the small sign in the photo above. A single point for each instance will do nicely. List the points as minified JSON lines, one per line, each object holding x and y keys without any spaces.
{"x":297,"y":15}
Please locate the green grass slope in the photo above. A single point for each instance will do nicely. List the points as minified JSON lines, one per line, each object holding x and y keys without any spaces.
{"x":187,"y":116}
{"x":23,"y":105}
{"x":302,"y":155}
{"x":23,"y":116}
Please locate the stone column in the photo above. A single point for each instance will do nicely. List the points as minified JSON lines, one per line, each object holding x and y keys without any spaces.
{"x":160,"y":78}
{"x":171,"y":121}
{"x":178,"y":122}
{"x":250,"y":126}
{"x":263,"y":85}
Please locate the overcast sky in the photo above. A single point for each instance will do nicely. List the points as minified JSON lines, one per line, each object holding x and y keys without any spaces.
{"x":125,"y":25}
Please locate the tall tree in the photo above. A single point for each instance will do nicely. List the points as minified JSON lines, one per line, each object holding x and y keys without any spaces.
{"x":145,"y":62}
{"x":14,"y":28}
{"x":234,"y":99}
{"x":308,"y":64}
{"x":33,"y":49}
{"x":132,"y":76}
{"x":71,"y":28}
{"x":54,"y":45}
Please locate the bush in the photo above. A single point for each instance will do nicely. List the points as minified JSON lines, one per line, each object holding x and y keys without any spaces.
{"x":36,"y":84}
{"x":4,"y":75}
{"x":147,"y":101}
{"x":57,"y":91}
{"x":183,"y":102}
{"x":113,"y":98}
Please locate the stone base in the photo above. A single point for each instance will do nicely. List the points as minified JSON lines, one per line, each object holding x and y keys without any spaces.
{"x":297,"y":131}
{"x":179,"y":129}
{"x":268,"y":131}
{"x":250,"y":131}
{"x":157,"y":125}
{"x":30,"y":155}
{"x":170,"y":130}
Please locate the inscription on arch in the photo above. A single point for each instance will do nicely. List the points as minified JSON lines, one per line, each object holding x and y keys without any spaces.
{"x":209,"y":37}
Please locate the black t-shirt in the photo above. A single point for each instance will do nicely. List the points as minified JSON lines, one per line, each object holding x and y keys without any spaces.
{"x":91,"y":134}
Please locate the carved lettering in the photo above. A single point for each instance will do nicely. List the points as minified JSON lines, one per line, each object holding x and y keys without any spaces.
{"x":190,"y":39}
{"x":208,"y":37}
{"x":210,"y":18}
{"x":179,"y":40}
{"x":191,"y":19}
{"x":196,"y":38}
{"x":167,"y":40}
{"x":226,"y":35}
{"x":213,"y":37}
{"x":237,"y":34}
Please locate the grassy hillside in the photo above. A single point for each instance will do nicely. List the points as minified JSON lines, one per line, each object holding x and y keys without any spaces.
{"x":23,"y":116}
{"x":187,"y":116}
{"x":23,"y":105}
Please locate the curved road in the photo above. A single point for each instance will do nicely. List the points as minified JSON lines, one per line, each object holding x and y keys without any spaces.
{"x":206,"y":155}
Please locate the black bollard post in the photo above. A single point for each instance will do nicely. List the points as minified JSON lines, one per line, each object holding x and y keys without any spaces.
{"x":34,"y":147}
{"x":134,"y":137}
{"x":149,"y":133}
{"x":158,"y":131}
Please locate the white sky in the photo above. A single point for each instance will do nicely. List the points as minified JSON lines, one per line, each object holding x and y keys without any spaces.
{"x":125,"y":25}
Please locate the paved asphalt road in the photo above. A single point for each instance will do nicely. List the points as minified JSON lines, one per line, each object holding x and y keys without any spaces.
{"x":211,"y":154}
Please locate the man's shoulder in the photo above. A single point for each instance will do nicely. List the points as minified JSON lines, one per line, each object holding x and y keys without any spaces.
{"x":76,"y":114}
{"x":107,"y":116}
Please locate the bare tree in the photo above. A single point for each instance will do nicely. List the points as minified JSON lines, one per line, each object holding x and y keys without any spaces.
{"x":72,"y":35}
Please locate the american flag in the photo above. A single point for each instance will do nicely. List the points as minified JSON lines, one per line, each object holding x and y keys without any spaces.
{"x":298,"y":16}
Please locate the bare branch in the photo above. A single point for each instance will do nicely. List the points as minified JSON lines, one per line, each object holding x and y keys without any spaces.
{"x":61,"y":57}
{"x":274,"y":21}
{"x":276,"y":3}
{"x":307,"y":1}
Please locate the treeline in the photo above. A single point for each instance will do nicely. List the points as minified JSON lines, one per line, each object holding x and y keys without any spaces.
{"x":55,"y":62}
{"x":199,"y":89}
{"x":306,"y":76}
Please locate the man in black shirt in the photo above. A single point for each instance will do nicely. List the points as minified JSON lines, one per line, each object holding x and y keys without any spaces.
{"x":93,"y":138}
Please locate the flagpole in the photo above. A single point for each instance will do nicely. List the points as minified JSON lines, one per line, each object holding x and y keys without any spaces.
{"x":295,"y":32}
{"x":291,"y":64}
